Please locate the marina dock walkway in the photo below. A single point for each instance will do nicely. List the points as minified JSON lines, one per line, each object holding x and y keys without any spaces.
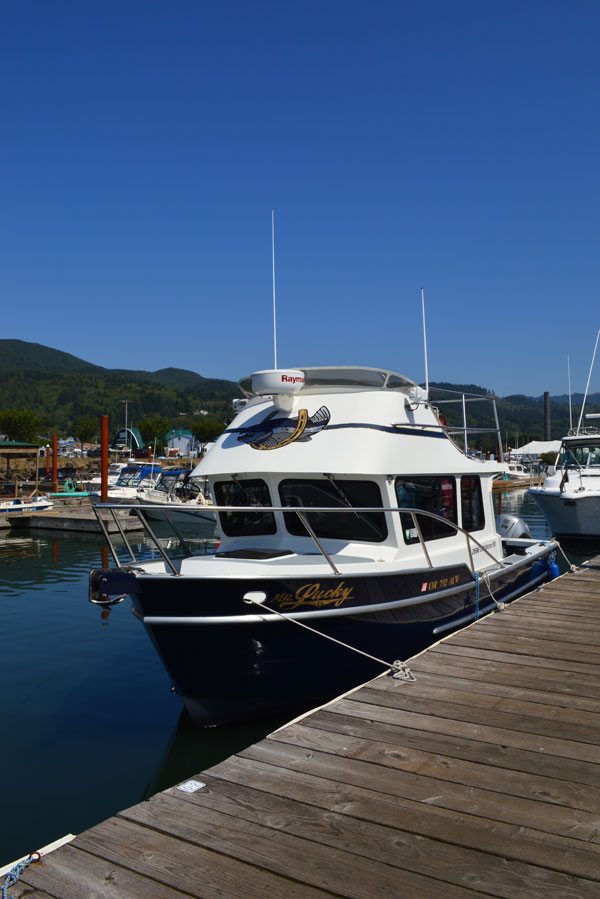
{"x":480,"y":777}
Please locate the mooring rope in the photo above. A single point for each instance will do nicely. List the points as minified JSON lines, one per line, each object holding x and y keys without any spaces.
{"x":501,"y":606}
{"x":400,"y":669}
{"x":572,"y":566}
{"x":15,"y":872}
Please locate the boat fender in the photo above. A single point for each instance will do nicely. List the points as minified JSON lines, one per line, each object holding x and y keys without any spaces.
{"x":512,"y":526}
{"x":553,"y":569}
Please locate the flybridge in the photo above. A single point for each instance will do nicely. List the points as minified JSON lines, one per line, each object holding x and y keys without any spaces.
{"x":329,"y":379}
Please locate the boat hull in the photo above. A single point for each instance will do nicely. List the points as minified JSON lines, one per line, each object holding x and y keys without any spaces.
{"x":232,"y":662}
{"x":568,"y":515}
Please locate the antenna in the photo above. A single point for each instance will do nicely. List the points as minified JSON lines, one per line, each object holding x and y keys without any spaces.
{"x":569,"y":379}
{"x":274,"y":303}
{"x":425,"y":340}
{"x":588,"y":382}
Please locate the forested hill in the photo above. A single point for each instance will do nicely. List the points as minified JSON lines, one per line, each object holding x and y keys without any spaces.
{"x":521,"y":417}
{"x":62,"y":389}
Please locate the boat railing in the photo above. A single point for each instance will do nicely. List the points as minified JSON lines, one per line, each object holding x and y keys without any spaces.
{"x":301,"y":512}
{"x":464,"y":400}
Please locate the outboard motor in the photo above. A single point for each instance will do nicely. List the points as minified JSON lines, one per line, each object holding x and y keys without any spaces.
{"x":512,"y":526}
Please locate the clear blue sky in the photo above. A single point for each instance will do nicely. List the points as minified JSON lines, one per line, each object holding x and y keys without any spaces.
{"x":452,"y":144}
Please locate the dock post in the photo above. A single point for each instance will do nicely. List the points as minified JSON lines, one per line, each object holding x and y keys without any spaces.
{"x":104,"y":460}
{"x":55,"y":463}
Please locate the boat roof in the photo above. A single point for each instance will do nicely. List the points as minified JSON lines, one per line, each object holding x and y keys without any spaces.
{"x":340,"y":378}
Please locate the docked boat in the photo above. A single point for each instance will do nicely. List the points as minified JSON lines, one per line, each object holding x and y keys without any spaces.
{"x":93,"y":485}
{"x":515,"y":475}
{"x":132,"y":478}
{"x":18,"y":506}
{"x":347,"y":513}
{"x":178,"y":496}
{"x":570,"y":497}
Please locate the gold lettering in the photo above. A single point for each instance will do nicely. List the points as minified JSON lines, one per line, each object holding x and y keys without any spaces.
{"x":314,"y":595}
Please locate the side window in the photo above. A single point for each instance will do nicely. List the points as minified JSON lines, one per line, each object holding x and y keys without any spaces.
{"x":252,"y":492}
{"x":471,"y":502}
{"x":436,"y":495}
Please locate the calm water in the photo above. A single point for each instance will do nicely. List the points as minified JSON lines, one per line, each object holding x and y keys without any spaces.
{"x":89,"y":725}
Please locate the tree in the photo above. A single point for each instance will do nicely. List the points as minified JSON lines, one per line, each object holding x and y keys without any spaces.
{"x":154,"y":427}
{"x":21,"y":424}
{"x":87,"y":428}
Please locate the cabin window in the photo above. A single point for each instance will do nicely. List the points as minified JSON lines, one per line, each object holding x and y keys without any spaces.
{"x":364,"y":527}
{"x":471,"y":503}
{"x":251,"y":492}
{"x":436,"y":495}
{"x":579,"y":456}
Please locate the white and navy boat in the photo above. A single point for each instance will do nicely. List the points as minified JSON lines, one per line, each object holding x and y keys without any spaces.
{"x":345,"y":505}
{"x":17,"y":506}
{"x":570,"y":497}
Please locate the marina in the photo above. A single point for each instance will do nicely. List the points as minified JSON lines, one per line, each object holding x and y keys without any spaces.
{"x":478,"y":776}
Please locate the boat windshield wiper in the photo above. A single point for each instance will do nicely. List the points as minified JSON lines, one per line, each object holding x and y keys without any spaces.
{"x":247,"y":493}
{"x":365,"y":519}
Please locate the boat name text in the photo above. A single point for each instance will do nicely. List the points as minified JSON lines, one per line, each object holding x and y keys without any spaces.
{"x":314,"y":595}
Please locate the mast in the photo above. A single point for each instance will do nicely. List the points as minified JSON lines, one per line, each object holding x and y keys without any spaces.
{"x":425,"y":341}
{"x":588,"y":381}
{"x":569,"y":380}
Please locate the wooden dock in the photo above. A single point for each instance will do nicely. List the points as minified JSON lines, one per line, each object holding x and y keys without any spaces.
{"x":481,"y":777}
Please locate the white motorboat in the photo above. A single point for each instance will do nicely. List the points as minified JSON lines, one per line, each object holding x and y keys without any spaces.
{"x":18,"y":506}
{"x":133,"y":477}
{"x":570,"y":497}
{"x":114,"y":470}
{"x":175,"y":493}
{"x":345,"y":506}
{"x":515,"y":473}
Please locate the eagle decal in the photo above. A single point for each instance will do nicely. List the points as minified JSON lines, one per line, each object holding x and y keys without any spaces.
{"x":273,"y":433}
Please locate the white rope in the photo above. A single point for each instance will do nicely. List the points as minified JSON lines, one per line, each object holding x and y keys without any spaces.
{"x":572,"y":567}
{"x":501,"y":606}
{"x":401,"y":670}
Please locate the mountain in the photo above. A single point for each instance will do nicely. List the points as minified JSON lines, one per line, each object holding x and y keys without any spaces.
{"x":62,"y":389}
{"x":19,"y":355}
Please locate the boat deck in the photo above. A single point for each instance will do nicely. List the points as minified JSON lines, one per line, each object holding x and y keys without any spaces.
{"x":480,"y":777}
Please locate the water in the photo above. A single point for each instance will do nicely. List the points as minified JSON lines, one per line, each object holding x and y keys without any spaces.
{"x":89,"y":725}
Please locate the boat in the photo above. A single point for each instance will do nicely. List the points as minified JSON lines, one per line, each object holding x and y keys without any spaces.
{"x":114,"y":470}
{"x":133,"y":477}
{"x":354,"y":532}
{"x":570,"y":496}
{"x":17,"y":506}
{"x":176,"y":492}
{"x":515,"y":475}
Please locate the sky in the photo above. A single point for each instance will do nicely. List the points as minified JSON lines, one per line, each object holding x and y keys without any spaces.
{"x":452,"y":145}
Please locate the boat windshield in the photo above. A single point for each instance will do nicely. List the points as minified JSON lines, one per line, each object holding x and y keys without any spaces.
{"x":247,"y":492}
{"x":579,"y":456}
{"x":367,"y":527}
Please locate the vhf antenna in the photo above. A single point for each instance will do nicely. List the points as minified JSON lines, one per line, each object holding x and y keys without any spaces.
{"x":274,"y":301}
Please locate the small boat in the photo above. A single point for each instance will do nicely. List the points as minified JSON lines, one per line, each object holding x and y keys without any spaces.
{"x":133,"y":477}
{"x":175,"y":493}
{"x":114,"y":470}
{"x":514,"y":475}
{"x":354,"y":532}
{"x":17,"y":506}
{"x":570,"y":497}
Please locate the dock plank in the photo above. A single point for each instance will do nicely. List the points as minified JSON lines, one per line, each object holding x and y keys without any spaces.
{"x":481,"y":777}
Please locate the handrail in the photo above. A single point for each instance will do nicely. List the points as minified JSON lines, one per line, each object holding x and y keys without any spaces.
{"x":301,"y":513}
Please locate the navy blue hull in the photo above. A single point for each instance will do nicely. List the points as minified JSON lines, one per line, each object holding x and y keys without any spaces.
{"x":237,"y":670}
